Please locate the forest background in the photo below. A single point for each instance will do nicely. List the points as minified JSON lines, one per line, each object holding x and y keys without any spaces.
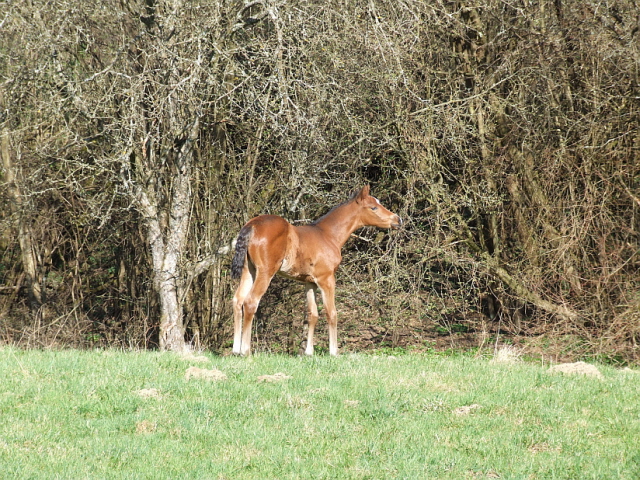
{"x":137,"y":137}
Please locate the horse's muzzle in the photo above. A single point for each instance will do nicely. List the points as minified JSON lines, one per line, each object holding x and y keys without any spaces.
{"x":396,"y":223}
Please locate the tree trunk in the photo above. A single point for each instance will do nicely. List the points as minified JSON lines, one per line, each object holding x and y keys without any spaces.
{"x":28,"y":254}
{"x":167,"y":244}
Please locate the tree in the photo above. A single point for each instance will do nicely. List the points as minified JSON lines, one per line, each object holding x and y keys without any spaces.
{"x":25,"y":236}
{"x":124,"y":102}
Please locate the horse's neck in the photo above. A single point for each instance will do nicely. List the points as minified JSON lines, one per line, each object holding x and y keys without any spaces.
{"x":340,"y":223}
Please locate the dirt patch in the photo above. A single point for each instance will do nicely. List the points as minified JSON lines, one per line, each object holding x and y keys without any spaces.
{"x":466,"y":410}
{"x":189,"y":356}
{"x":577,"y":368}
{"x":211,"y":375}
{"x":276,"y":377}
{"x":543,"y":447}
{"x":145,"y":426}
{"x":149,"y":393}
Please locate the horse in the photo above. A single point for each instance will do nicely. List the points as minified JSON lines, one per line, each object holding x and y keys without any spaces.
{"x":268,"y":245}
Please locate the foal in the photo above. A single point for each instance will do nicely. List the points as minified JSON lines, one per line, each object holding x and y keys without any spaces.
{"x":269,"y":245}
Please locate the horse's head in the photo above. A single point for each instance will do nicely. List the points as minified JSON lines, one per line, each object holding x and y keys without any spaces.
{"x":373,"y":213}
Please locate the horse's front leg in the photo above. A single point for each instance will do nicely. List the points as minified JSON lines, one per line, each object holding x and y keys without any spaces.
{"x":328,"y":288}
{"x":312,"y":316}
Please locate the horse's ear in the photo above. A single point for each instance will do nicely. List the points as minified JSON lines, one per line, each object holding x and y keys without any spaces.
{"x":364,"y":193}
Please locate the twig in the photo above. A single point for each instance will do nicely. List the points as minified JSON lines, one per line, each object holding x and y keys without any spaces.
{"x":422,"y":110}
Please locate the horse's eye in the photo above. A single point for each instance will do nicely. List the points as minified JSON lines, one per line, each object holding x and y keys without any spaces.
{"x":374,"y":208}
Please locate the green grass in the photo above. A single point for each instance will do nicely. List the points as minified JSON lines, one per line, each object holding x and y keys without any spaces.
{"x":77,"y":414}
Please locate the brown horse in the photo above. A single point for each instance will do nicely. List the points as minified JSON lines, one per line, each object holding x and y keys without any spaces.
{"x":269,"y":245}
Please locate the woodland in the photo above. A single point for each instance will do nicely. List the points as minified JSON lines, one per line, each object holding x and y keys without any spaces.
{"x":138,"y":136}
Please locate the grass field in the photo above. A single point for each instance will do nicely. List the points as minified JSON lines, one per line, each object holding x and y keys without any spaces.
{"x":80,"y":414}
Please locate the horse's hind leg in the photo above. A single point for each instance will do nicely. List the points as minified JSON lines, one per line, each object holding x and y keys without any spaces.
{"x":251,"y":302}
{"x":246,"y":282}
{"x":312,"y":313}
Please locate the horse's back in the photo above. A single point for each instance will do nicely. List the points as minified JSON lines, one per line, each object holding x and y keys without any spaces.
{"x":269,"y":226}
{"x":270,"y":238}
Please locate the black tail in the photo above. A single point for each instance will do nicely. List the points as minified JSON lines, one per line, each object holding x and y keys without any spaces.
{"x":242,"y":244}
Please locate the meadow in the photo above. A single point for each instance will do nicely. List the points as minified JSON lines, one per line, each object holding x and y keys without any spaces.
{"x":114,"y":414}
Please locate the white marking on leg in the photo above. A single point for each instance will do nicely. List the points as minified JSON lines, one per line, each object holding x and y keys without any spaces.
{"x":312,"y":317}
{"x":246,"y":282}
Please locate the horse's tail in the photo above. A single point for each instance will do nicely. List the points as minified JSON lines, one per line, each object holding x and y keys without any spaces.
{"x":242,"y":244}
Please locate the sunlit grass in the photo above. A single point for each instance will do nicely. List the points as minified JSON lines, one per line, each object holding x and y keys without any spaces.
{"x":72,"y":414}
